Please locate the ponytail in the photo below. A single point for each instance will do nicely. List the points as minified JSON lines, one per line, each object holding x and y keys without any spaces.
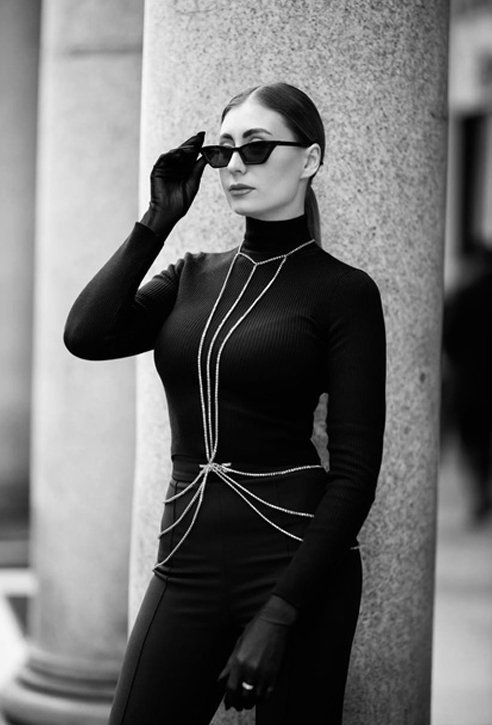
{"x":312,"y":213}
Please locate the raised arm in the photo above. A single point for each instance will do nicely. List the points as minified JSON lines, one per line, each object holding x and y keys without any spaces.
{"x":112,"y":317}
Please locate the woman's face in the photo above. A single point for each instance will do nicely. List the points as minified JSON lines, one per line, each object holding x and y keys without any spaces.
{"x":273,"y":190}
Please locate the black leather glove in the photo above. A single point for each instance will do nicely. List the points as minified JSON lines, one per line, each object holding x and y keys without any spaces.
{"x":258,"y":655}
{"x":174,"y":182}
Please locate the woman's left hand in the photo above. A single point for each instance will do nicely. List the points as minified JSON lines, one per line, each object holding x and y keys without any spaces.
{"x":256,"y":659}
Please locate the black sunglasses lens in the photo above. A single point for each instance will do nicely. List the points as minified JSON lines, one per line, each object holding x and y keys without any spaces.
{"x":216,"y":156}
{"x":257,"y":152}
{"x":252,"y":153}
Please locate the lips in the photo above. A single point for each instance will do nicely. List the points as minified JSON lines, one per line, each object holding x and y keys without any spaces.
{"x":240,"y":187}
{"x":239,"y":190}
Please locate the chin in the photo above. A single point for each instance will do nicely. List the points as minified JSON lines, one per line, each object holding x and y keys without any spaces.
{"x":244,"y":207}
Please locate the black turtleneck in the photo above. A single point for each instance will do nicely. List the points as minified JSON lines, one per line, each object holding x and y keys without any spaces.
{"x":271,"y":238}
{"x":317,"y":328}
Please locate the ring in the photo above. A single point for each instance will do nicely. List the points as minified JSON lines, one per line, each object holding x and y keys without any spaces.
{"x":247,"y":686}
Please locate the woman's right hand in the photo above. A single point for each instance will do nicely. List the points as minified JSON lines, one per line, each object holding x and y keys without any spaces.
{"x":174,"y":182}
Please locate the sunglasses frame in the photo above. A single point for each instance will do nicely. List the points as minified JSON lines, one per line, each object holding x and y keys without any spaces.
{"x":240,"y":150}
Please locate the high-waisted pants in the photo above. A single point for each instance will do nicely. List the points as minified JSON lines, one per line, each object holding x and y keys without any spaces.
{"x":198,"y":603}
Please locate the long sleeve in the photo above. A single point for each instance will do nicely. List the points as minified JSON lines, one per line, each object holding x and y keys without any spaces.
{"x":355,"y":365}
{"x":112,"y":317}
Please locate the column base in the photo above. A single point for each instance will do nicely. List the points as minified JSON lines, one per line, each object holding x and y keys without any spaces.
{"x":54,"y":691}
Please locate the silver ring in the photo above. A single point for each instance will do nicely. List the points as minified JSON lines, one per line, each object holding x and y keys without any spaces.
{"x":247,"y":686}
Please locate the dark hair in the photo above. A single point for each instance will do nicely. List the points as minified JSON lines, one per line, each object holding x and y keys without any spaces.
{"x":303,"y":119}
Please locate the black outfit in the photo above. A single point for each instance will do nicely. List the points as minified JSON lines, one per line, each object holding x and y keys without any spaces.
{"x":290,"y":322}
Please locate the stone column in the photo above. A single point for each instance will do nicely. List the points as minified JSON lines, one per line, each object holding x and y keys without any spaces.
{"x":19,"y":51}
{"x":83,"y":419}
{"x":378,"y":74}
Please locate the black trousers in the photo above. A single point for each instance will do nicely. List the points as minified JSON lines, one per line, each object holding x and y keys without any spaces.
{"x":198,"y":603}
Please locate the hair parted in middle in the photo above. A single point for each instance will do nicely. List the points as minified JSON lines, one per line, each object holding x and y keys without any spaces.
{"x":302,"y":118}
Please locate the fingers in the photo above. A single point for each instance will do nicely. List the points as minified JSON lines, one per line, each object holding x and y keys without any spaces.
{"x":197,"y":170}
{"x":187,"y":150}
{"x":233,"y":690}
{"x":247,"y":698}
{"x":195,"y":141}
{"x":242,"y":692}
{"x":179,"y":163}
{"x":231,"y":697}
{"x":176,"y":163}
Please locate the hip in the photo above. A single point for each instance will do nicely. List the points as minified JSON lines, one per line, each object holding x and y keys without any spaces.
{"x":250,"y":519}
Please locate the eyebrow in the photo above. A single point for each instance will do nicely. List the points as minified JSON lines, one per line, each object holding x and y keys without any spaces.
{"x":246,"y":134}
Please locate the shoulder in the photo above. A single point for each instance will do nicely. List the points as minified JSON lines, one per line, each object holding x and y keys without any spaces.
{"x":340,"y":279}
{"x":192,"y":263}
{"x":205,"y":260}
{"x":345,"y":299}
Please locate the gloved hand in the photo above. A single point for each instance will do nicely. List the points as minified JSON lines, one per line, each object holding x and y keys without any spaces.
{"x":257,"y":657}
{"x":174,"y":182}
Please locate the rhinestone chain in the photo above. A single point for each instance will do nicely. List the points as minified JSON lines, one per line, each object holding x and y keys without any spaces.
{"x":209,"y":404}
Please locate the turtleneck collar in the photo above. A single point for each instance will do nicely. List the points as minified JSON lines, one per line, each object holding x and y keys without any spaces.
{"x":272,"y":238}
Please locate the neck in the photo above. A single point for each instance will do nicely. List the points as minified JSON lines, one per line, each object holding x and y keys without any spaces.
{"x":271,"y":238}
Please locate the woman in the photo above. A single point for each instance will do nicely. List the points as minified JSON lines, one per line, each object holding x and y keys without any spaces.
{"x":256,"y":590}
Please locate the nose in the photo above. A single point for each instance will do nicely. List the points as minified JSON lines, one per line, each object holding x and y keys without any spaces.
{"x":236,"y":164}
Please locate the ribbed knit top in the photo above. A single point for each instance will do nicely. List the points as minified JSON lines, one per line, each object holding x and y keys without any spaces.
{"x":317,"y":328}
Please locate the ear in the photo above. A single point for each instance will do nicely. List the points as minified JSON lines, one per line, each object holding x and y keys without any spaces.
{"x":312,"y":161}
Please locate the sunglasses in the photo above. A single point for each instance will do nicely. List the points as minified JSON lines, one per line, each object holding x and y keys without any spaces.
{"x":255,"y":152}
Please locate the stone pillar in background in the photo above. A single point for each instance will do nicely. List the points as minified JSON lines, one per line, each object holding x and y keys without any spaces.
{"x":378,"y":75}
{"x":19,"y":51}
{"x":83,"y":421}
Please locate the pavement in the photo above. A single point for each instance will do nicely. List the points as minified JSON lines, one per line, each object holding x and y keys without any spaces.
{"x":462,"y":670}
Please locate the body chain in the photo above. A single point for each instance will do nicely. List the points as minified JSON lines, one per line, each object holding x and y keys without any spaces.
{"x":209,"y":402}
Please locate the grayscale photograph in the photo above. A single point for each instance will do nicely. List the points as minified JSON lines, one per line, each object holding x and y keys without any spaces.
{"x":246,"y":362}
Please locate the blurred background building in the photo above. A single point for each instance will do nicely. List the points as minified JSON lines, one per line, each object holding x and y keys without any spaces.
{"x":467,"y":362}
{"x":85,"y":60}
{"x":469,"y":222}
